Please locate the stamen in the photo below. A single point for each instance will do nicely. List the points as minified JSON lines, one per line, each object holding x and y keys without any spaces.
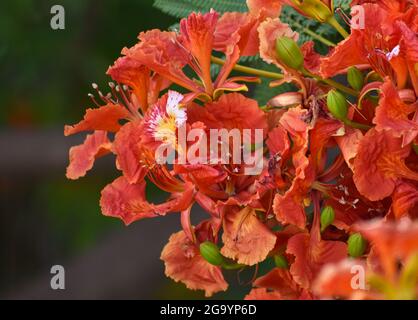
{"x":91,"y":96}
{"x":343,"y":16}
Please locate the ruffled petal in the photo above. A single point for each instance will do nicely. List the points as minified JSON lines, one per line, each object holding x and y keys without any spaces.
{"x":310,"y":256}
{"x":392,"y":113}
{"x":197,"y":35}
{"x":281,"y":281}
{"x":269,"y":8}
{"x":119,"y":200}
{"x":379,"y":164}
{"x":336,"y":280}
{"x":246,"y":238}
{"x":262,"y":294}
{"x":269,"y":31}
{"x":82,"y":157}
{"x":105,"y":118}
{"x":405,"y":200}
{"x":127,"y":147}
{"x":184,"y":263}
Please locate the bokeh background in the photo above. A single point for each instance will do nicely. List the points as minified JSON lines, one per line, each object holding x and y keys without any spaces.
{"x":45,"y":220}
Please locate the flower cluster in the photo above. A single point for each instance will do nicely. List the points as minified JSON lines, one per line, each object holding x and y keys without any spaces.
{"x":337,"y":188}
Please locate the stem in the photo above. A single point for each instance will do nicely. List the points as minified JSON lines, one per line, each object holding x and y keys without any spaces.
{"x":314,"y":35}
{"x":232,"y":266}
{"x":332,"y":83}
{"x":334,"y":23}
{"x":248,"y":70}
{"x":274,"y":75}
{"x":356,"y":124}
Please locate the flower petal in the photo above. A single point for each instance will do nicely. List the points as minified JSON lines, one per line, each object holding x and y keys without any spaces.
{"x":184,"y":263}
{"x":119,"y":200}
{"x":335,"y":279}
{"x":392,"y":113}
{"x":269,"y":31}
{"x":245,"y":237}
{"x":310,"y":256}
{"x":379,"y":164}
{"x":105,"y":118}
{"x":82,"y":157}
{"x":127,"y":147}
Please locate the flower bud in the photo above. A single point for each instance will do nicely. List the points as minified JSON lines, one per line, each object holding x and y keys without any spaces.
{"x":327,"y":217}
{"x":210,"y":252}
{"x":315,"y":9}
{"x":280,"y":261}
{"x":355,"y":78}
{"x":356,"y":245}
{"x":337,"y":104}
{"x":289,"y":52}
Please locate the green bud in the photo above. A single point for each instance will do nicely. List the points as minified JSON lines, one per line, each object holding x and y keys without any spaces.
{"x":355,"y":78}
{"x":210,"y":252}
{"x":327,"y":217}
{"x":356,"y":245}
{"x":337,"y":104}
{"x":315,"y":9}
{"x":289,"y":52}
{"x":374,"y":76}
{"x":280,"y":261}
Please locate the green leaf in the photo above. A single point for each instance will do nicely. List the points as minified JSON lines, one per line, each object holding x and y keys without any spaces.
{"x":182,"y":8}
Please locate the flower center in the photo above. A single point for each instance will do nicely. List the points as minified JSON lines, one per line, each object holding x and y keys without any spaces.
{"x":164,"y":122}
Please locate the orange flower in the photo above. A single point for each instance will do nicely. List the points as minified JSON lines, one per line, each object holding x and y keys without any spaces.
{"x":405,"y":200}
{"x":269,"y":31}
{"x":386,"y":44}
{"x":393,"y":114}
{"x":184,"y":263}
{"x":393,"y":274}
{"x":289,"y":207}
{"x":311,"y":252}
{"x":246,"y":238}
{"x":380,"y":164}
{"x":82,"y":157}
{"x":281,"y":286}
{"x":167,"y":54}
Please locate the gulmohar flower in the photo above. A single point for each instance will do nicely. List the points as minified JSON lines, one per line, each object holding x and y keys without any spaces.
{"x":337,"y":185}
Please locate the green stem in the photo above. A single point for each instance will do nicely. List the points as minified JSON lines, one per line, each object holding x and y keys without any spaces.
{"x":274,"y":75}
{"x":332,"y":83}
{"x":314,"y":35}
{"x":232,"y":266}
{"x":356,"y":124}
{"x":248,"y":70}
{"x":334,"y":23}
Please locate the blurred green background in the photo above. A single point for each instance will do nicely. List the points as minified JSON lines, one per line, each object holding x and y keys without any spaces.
{"x":44,"y":218}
